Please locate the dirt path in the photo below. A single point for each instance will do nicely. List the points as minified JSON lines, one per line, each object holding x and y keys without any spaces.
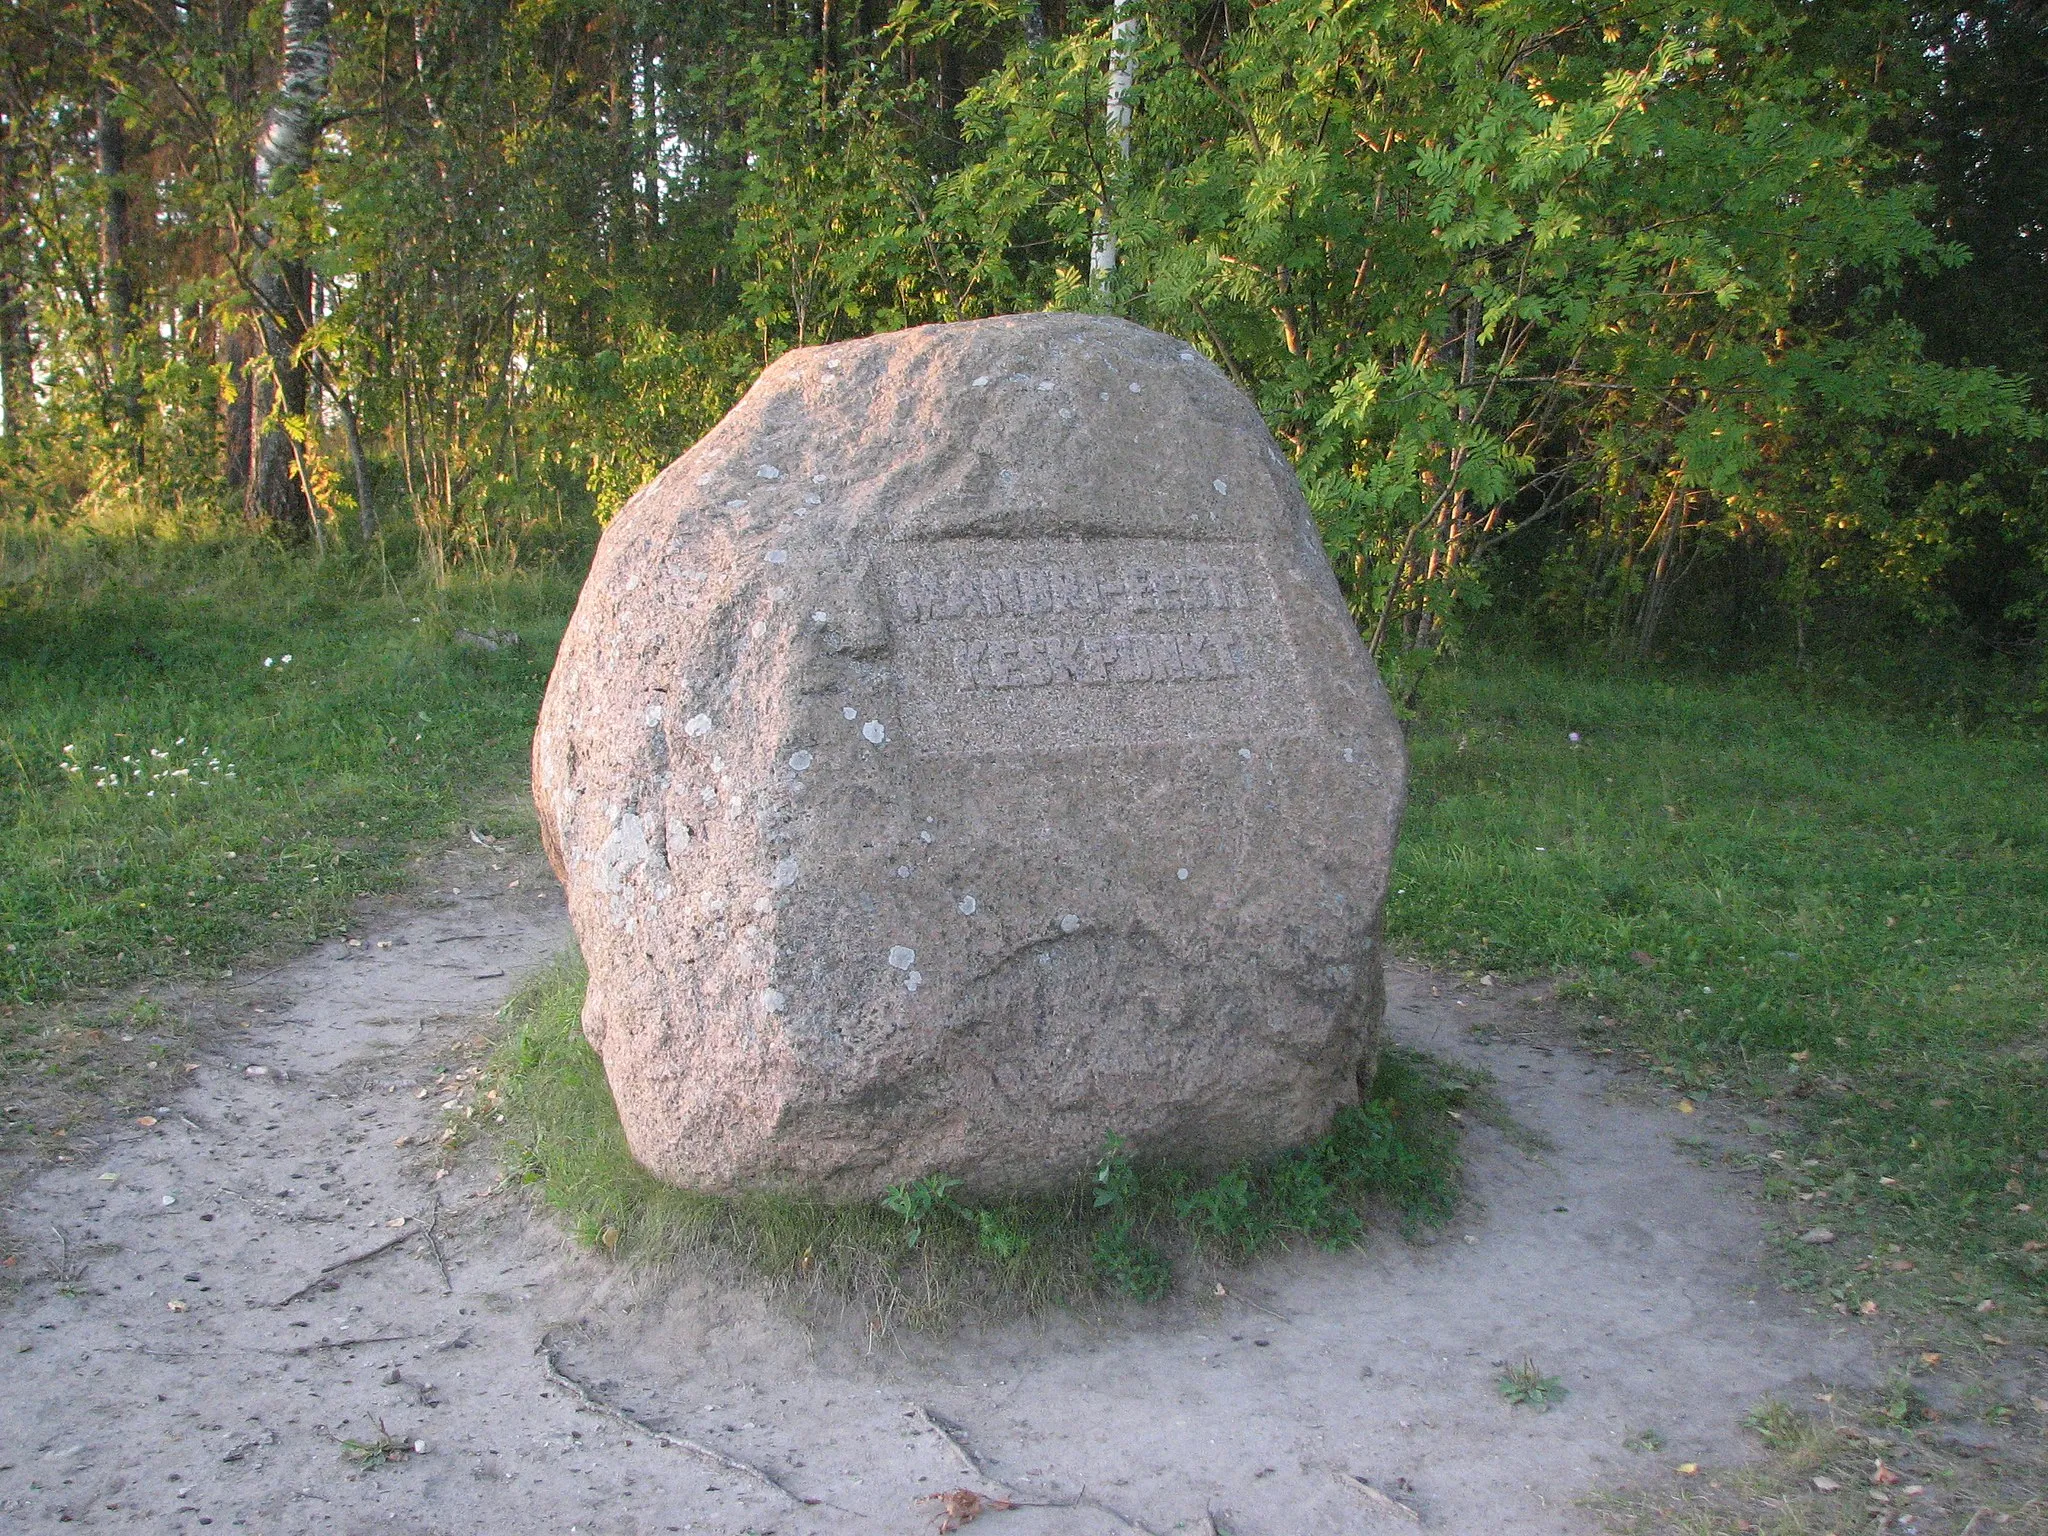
{"x":184,"y":1352}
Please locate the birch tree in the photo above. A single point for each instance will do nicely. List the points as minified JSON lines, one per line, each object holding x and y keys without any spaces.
{"x":279,"y":495}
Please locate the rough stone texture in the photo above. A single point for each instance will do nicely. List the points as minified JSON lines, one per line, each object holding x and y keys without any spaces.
{"x":961,"y":753}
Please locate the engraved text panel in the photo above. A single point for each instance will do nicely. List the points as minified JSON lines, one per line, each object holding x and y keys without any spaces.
{"x":1042,"y":645}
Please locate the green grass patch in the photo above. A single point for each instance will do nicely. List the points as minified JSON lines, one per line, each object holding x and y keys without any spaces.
{"x":924,"y":1255}
{"x":1837,"y":909}
{"x":210,"y":746}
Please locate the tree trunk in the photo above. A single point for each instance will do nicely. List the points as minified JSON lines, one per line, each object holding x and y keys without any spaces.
{"x":278,"y":495}
{"x":1123,"y":32}
{"x":17,"y":339}
{"x":1657,"y":594}
{"x":117,"y":283}
{"x":238,"y":419}
{"x":358,"y":461}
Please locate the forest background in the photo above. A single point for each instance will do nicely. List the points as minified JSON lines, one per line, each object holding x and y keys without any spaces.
{"x":1700,"y":324}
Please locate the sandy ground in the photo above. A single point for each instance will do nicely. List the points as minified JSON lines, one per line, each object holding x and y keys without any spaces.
{"x":180,"y":1352}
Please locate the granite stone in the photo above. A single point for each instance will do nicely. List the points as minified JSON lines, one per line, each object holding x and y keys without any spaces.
{"x":964,"y":753}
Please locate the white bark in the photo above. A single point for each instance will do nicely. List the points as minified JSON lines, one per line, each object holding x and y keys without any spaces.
{"x":278,"y":493}
{"x":1123,"y":66}
{"x":285,"y":147}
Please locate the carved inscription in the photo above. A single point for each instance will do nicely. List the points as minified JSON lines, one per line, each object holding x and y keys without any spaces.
{"x":1027,"y":591}
{"x":1037,"y":644}
{"x":1040,"y":661}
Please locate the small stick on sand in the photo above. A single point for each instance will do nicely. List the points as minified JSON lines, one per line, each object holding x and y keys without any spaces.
{"x":303,"y":1350}
{"x":1386,"y":1504}
{"x":434,"y":1242}
{"x":355,"y":1258}
{"x":955,"y":1437}
{"x":545,"y":1349}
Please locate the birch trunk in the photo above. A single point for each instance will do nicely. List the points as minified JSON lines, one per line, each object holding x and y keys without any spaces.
{"x":1123,"y":65}
{"x":278,"y":496}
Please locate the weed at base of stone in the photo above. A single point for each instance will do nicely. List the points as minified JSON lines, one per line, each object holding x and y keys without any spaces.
{"x":923,"y":1257}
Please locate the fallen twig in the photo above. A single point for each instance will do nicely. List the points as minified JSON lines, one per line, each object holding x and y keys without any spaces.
{"x":962,"y":1505}
{"x":355,"y":1258}
{"x":434,"y":1242}
{"x":314,"y":1349}
{"x":1256,"y":1306}
{"x":545,"y":1349}
{"x":954,"y":1437}
{"x":1386,"y":1504}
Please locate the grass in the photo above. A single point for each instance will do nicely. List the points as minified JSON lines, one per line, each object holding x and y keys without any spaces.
{"x":924,"y":1255}
{"x":211,"y":746}
{"x":1845,"y":1461}
{"x":1833,"y":914}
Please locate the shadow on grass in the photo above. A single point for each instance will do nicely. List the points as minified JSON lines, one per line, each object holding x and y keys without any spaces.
{"x":924,"y":1258}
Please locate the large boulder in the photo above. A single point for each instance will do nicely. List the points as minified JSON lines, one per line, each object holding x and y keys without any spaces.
{"x":963,"y":753}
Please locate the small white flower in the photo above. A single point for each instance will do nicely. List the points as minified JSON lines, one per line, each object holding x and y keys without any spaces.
{"x":271,"y":661}
{"x":284,"y":660}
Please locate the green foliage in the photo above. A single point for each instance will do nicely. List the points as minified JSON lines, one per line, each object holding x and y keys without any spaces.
{"x":1129,"y":1267}
{"x":921,"y":1254}
{"x":1645,"y":289}
{"x":1808,"y":890}
{"x":1524,"y":1386}
{"x":1489,"y":268}
{"x":918,"y":1202}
